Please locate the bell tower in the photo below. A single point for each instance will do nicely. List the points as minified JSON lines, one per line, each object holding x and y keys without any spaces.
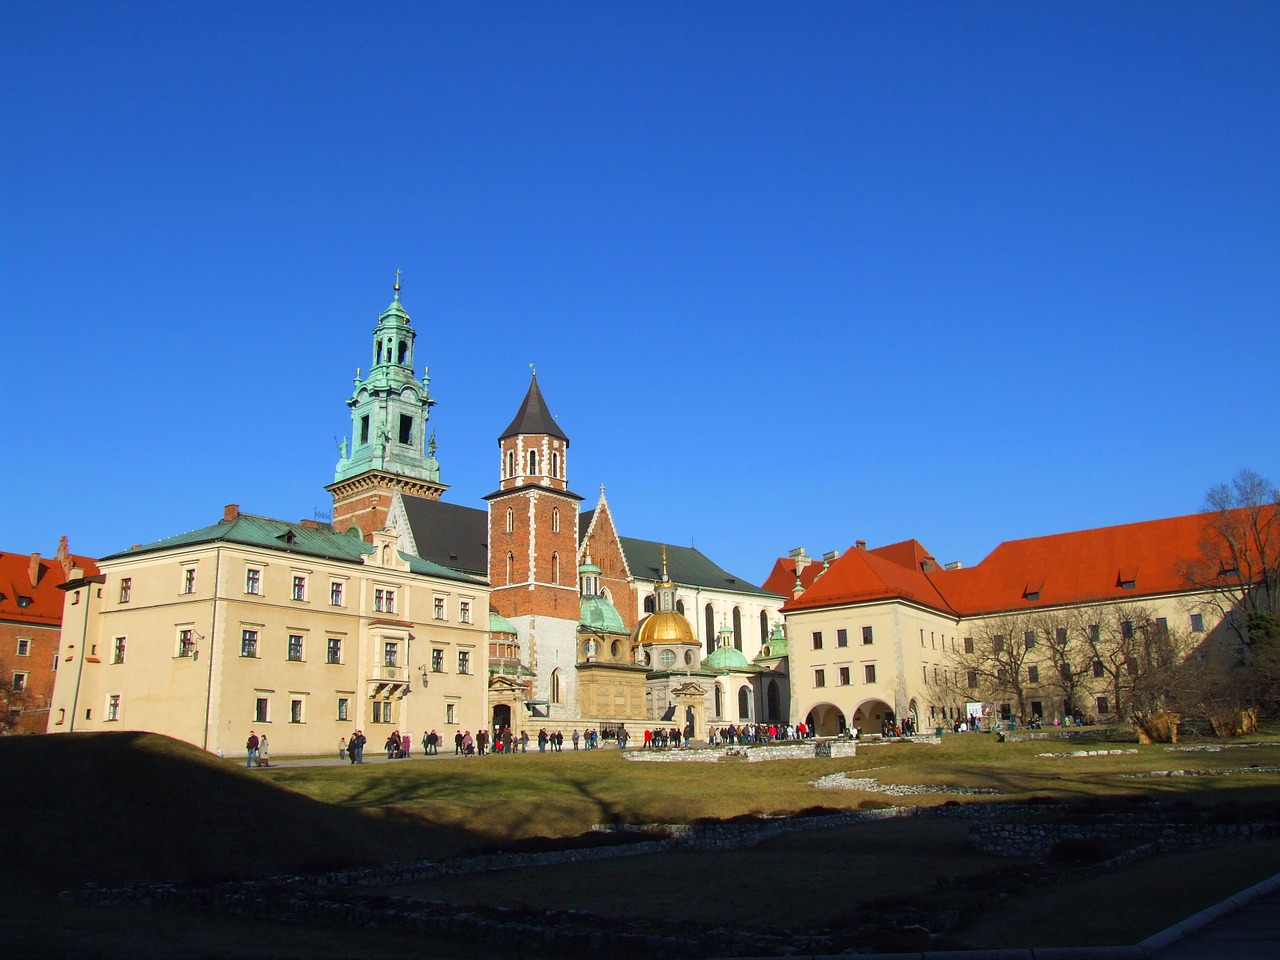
{"x":389,"y":449}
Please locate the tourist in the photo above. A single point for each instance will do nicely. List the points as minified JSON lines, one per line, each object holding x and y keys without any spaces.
{"x":458,"y":740}
{"x":264,"y":757}
{"x":342,"y":748}
{"x":575,"y":739}
{"x":251,"y":749}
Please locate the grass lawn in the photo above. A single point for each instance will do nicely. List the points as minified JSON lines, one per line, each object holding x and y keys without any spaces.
{"x":136,"y":807}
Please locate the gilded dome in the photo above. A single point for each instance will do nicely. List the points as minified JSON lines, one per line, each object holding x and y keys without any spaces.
{"x":666,"y":627}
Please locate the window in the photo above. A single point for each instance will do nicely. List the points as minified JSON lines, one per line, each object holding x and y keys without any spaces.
{"x":1033,"y":674}
{"x":1095,"y":631}
{"x":997,"y":644}
{"x":842,"y":637}
{"x":1126,"y":629}
{"x":1103,"y":705}
{"x":972,"y":678}
{"x":406,"y":429}
{"x":189,"y":580}
{"x":1098,"y":670}
{"x":869,"y":672}
{"x":391,"y":601}
{"x":334,"y":654}
{"x":1162,"y":626}
{"x":113,"y":707}
{"x":555,"y":472}
{"x":299,"y":587}
{"x":817,"y":639}
{"x":117,"y":650}
{"x":866,"y":635}
{"x":384,"y":601}
{"x":126,"y":589}
{"x":555,"y":519}
{"x":253,"y":581}
{"x":1197,"y":623}
{"x":667,"y":658}
{"x":262,"y":710}
{"x":437,"y":660}
{"x":364,"y":429}
{"x":511,"y":560}
{"x":343,"y":708}
{"x":555,"y":686}
{"x":968,"y":644}
{"x":511,"y":466}
{"x":19,"y":682}
{"x":844,"y":676}
{"x":450,"y":714}
{"x":819,"y":678}
{"x":1029,"y":638}
{"x":24,"y":647}
{"x":390,"y":653}
{"x":378,"y":712}
{"x":464,"y":662}
{"x":1061,"y":634}
{"x":295,"y":647}
{"x":511,"y":520}
{"x":555,"y":568}
{"x":335,"y":594}
{"x":650,"y":604}
{"x":1001,"y":674}
{"x":248,"y":643}
{"x":533,"y":462}
{"x":187,"y":643}
{"x":464,"y":611}
{"x":437,"y":608}
{"x":295,"y":711}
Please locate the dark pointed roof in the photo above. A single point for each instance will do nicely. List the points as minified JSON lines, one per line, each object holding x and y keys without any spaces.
{"x":534,"y":417}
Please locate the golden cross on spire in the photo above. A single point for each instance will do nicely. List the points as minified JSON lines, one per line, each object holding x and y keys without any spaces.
{"x":396,"y":287}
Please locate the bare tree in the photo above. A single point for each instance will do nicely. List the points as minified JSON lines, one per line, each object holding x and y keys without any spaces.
{"x":1068,"y":655}
{"x":13,"y":700}
{"x":996,"y":662}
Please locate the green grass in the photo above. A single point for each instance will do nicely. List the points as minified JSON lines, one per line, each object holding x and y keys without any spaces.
{"x":136,"y":807}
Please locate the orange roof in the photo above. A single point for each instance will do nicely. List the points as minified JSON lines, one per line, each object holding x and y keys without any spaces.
{"x":38,"y":602}
{"x":1148,"y":558}
{"x":782,"y":578}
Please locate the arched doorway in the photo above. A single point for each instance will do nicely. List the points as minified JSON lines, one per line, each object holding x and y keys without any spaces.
{"x":871,"y":716}
{"x":744,"y":703}
{"x":501,"y":716}
{"x":773,"y":704}
{"x":826,"y":720}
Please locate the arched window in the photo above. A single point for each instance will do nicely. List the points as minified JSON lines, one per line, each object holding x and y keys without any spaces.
{"x":649,"y":604}
{"x":555,"y":686}
{"x":555,"y":568}
{"x":511,"y":520}
{"x":764,"y":626}
{"x":379,"y":360}
{"x":511,"y":563}
{"x":555,"y":519}
{"x":719,"y":702}
{"x":680,"y":607}
{"x":737,"y":627}
{"x":555,"y":464}
{"x":402,"y":352}
{"x":775,"y":701}
{"x":710,"y":614}
{"x":744,"y":703}
{"x":613,"y":649}
{"x":511,"y":463}
{"x":533,"y":463}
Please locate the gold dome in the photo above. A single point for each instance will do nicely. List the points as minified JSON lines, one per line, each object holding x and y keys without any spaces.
{"x":666,"y":627}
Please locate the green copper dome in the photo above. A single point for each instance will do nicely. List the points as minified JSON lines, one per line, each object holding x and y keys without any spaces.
{"x":598,"y":614}
{"x":499,"y":624}
{"x":776,"y":646}
{"x":726,"y":658}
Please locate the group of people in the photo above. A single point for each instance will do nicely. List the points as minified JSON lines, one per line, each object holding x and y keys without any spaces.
{"x":757,"y":733}
{"x":353,"y":748}
{"x":257,"y":751}
{"x":906,"y":728}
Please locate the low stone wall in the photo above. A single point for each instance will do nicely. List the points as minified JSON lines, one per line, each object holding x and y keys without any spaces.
{"x":1072,"y":733}
{"x":752,"y":752}
{"x":1036,"y":840}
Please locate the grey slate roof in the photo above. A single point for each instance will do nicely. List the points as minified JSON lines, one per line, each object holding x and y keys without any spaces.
{"x":686,"y":566}
{"x":322,"y":541}
{"x":449,"y":534}
{"x":534,"y":417}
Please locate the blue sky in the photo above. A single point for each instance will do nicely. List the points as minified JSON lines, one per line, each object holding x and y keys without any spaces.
{"x":792,"y":274}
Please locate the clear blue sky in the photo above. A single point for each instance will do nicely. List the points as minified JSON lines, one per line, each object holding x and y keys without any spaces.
{"x":792,"y":274}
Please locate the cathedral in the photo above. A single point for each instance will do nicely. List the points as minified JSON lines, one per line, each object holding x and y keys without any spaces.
{"x":587,"y":627}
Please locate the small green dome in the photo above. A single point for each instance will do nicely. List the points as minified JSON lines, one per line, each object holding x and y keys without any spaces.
{"x":776,"y":646}
{"x":499,"y":624}
{"x":726,"y":658}
{"x":599,"y":614}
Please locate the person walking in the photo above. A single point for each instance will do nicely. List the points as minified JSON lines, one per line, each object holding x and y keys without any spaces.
{"x":264,"y":757}
{"x":342,"y":748}
{"x":251,"y":749}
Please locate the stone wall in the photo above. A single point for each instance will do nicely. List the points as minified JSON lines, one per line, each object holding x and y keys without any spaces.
{"x":751,"y":753}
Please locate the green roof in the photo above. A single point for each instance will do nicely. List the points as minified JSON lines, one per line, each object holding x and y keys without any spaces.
{"x":687,"y":566}
{"x":310,"y":540}
{"x":726,"y":658}
{"x":599,"y":614}
{"x":499,"y":624}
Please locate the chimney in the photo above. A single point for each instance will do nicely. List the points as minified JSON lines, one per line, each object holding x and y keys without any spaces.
{"x":64,"y":557}
{"x":928,"y":565}
{"x":309,"y":525}
{"x":831,"y":556}
{"x":861,"y":545}
{"x":230,"y":512}
{"x":801,"y":558}
{"x":953,"y":565}
{"x":33,"y":570}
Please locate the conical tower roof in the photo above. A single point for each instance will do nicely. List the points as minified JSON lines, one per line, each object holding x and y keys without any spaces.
{"x":534,"y":417}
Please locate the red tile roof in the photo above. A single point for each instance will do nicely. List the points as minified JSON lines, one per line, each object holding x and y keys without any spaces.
{"x":40,"y":603}
{"x":862,"y":575}
{"x":782,"y":578}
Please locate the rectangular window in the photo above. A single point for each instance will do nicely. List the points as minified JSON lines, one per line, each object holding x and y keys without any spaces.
{"x":186,"y":642}
{"x":19,"y":682}
{"x":997,"y":643}
{"x":869,"y":673}
{"x":972,"y":678}
{"x":406,"y":428}
{"x":189,"y":580}
{"x":464,"y":662}
{"x":117,"y":650}
{"x":842,"y":637}
{"x":364,"y":429}
{"x":450,"y":715}
{"x":844,"y":676}
{"x":1098,"y":670}
{"x":437,"y":661}
{"x":295,"y":647}
{"x":379,"y":599}
{"x":390,"y":653}
{"x":335,"y":594}
{"x":1162,"y":626}
{"x":1037,"y":708}
{"x":968,"y":644}
{"x":819,"y":678}
{"x":253,"y":581}
{"x":295,"y":711}
{"x":437,"y":608}
{"x":126,"y":589}
{"x":261,"y":710}
{"x":113,"y":707}
{"x":343,"y":705}
{"x":1197,"y":623}
{"x":1103,"y":705}
{"x":1061,"y":634}
{"x":1095,"y":632}
{"x":24,"y":647}
{"x":1033,"y":674}
{"x":248,"y":643}
{"x":335,"y":650}
{"x":1029,"y":638}
{"x":1126,"y":629}
{"x":817,"y":639}
{"x":391,"y":603}
{"x":464,"y":611}
{"x":1001,"y":675}
{"x":866,"y":635}
{"x":299,"y":587}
